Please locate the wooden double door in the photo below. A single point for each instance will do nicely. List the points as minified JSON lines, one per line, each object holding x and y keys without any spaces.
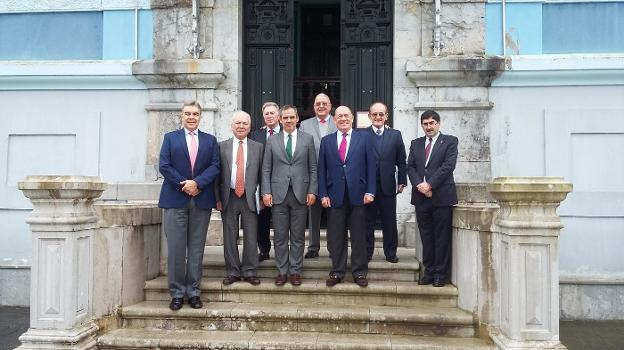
{"x":294,"y":50}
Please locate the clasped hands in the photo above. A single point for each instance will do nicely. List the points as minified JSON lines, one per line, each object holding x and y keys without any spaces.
{"x":425,"y":189}
{"x":190,"y":187}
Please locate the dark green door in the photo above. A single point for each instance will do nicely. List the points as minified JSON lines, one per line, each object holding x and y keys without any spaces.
{"x":366,"y":60}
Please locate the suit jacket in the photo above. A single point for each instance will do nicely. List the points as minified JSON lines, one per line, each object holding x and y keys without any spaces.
{"x":252,"y":171}
{"x":175,"y":166}
{"x":300,"y":172}
{"x":390,"y":156}
{"x":357,"y":172}
{"x":311,"y":127}
{"x":260,"y":135}
{"x":438,"y":172}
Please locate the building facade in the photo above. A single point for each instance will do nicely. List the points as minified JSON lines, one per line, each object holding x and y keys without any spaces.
{"x":531,"y":88}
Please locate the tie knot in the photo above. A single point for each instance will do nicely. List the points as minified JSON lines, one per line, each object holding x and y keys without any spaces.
{"x":378,"y":132}
{"x":323,"y":121}
{"x":344,"y":135}
{"x":240,"y":142}
{"x":192,"y":133}
{"x":430,"y":139}
{"x":289,"y":135}
{"x":271,"y":131}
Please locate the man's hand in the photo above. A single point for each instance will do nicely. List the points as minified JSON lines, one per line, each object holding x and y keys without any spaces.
{"x":400,"y":189}
{"x":368,"y":198}
{"x":267,"y":200}
{"x":190,"y":187}
{"x":219,"y":206}
{"x":423,"y":188}
{"x":311,"y":198}
{"x":325,"y":202}
{"x":428,"y":194}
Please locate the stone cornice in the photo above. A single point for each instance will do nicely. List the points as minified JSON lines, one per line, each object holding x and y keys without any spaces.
{"x":454,"y":71}
{"x":180,"y":74}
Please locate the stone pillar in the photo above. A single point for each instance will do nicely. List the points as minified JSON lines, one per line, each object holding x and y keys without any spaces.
{"x":526,"y":260}
{"x":62,"y":224}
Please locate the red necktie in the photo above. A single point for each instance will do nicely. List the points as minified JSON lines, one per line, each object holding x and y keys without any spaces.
{"x":323,"y":121}
{"x":271,"y":131}
{"x":342,"y":149}
{"x":239,"y":185}
{"x":428,"y":150}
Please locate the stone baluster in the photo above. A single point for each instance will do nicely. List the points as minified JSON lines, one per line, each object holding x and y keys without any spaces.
{"x":526,"y":261}
{"x":62,"y":224}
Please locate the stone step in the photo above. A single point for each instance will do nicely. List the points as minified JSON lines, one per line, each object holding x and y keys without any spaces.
{"x":256,"y":340}
{"x":378,"y":269}
{"x":309,"y":317}
{"x":382,"y":293}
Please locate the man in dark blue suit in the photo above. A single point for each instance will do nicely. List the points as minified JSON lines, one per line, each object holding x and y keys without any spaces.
{"x":391,"y":179}
{"x":430,"y":166}
{"x":346,"y":182}
{"x":190,"y":164}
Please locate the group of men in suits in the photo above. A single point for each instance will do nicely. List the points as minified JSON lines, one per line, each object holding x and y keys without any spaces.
{"x":280,"y":171}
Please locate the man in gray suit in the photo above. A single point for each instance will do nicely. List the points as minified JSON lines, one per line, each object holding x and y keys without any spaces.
{"x":318,"y":127}
{"x":289,"y":185}
{"x":241,"y":160}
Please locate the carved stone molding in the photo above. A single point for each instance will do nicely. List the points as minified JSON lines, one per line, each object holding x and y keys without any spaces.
{"x":180,"y":74}
{"x":454,"y":71}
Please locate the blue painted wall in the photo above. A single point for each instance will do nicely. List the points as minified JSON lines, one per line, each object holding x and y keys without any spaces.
{"x":556,"y":28}
{"x":51,"y":36}
{"x":96,"y":35}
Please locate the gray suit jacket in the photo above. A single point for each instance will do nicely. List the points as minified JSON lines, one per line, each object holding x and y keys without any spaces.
{"x":252,"y":172}
{"x":300,"y":172}
{"x":311,"y":127}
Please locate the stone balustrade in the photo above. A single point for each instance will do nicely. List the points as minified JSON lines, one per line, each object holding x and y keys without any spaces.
{"x":88,"y":259}
{"x":505,"y":261}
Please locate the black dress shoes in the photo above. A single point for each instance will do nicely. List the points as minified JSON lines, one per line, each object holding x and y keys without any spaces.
{"x":333,"y":280}
{"x":195,"y":302}
{"x":425,"y":280}
{"x":439,"y":281}
{"x":393,"y":260}
{"x":230,"y":279}
{"x":311,"y":254}
{"x":263,"y":256}
{"x":361,"y":281}
{"x":176,"y":304}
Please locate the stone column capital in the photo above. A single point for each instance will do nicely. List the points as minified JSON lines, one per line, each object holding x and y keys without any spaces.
{"x":528,"y":205}
{"x":62,"y":203}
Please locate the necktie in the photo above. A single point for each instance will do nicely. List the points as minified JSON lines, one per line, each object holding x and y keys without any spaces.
{"x":428,"y":150}
{"x":289,"y":147}
{"x":239,"y":188}
{"x":271,"y":131}
{"x":323,"y":121}
{"x":342,"y":149}
{"x":193,"y":151}
{"x":378,"y":132}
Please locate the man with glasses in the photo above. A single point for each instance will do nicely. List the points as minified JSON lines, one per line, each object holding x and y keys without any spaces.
{"x":430,"y":166}
{"x":318,"y":127}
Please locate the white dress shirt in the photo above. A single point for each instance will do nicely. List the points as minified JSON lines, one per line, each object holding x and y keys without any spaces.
{"x":234,"y":154}
{"x":188,"y":136}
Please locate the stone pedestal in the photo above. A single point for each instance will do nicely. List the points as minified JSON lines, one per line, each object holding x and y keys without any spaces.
{"x":62,"y":224}
{"x":526,"y":255}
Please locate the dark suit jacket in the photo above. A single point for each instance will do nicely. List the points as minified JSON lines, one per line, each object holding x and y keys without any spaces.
{"x":175,"y":166}
{"x":390,"y":156}
{"x":438,"y":172}
{"x":253,"y":169}
{"x":260,"y":135}
{"x":358,"y":171}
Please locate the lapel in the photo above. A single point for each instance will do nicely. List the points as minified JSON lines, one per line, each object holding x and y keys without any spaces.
{"x":385,"y":138}
{"x":436,"y":146}
{"x":279,"y":138}
{"x":227,"y":167}
{"x":251,"y":156}
{"x":317,"y":129}
{"x":181,"y":139}
{"x":352,"y":145}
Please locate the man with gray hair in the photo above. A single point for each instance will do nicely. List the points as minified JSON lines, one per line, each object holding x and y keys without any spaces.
{"x":241,"y":160}
{"x":190,"y":163}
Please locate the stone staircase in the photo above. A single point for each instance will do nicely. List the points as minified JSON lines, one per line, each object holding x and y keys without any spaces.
{"x":393,"y":312}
